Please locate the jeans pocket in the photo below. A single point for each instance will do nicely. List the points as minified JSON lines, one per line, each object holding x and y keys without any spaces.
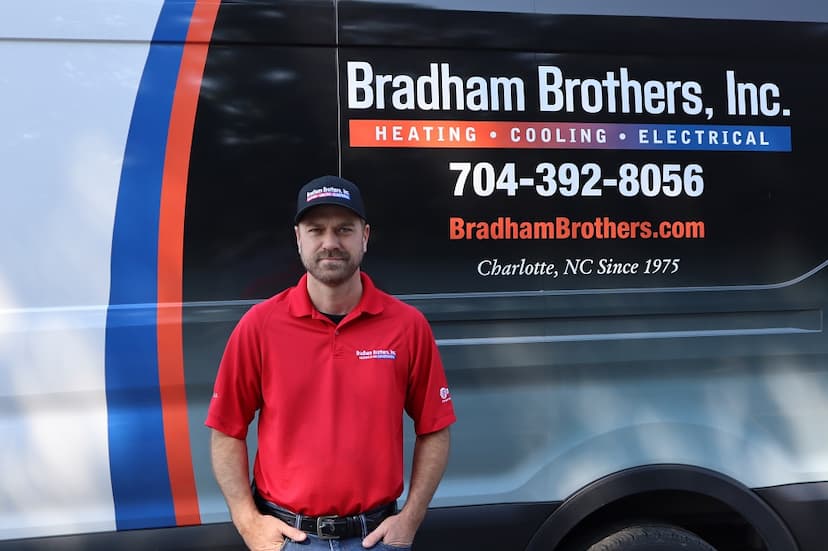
{"x":389,"y":547}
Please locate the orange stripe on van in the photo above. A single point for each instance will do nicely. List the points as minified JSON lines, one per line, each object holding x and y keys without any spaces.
{"x":171,"y":261}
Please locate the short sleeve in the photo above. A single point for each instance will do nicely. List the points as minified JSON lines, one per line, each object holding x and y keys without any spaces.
{"x":428,"y":399}
{"x":237,"y":392}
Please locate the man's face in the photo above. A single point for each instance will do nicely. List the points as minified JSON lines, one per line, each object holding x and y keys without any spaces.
{"x":332,"y":241}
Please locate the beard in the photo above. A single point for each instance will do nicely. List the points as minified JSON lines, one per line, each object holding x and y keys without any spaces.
{"x":332,"y":273}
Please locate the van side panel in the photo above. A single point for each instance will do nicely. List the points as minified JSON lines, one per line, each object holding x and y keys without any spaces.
{"x":65,"y":116}
{"x":150,"y":457}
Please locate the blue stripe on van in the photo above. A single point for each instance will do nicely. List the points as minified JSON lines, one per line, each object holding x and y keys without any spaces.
{"x":137,"y":454}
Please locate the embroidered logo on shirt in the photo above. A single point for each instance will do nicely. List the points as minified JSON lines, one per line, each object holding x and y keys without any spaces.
{"x":376,"y":354}
{"x":445,"y":395}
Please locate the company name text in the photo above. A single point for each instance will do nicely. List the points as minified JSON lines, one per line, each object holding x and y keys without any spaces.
{"x":439,"y":88}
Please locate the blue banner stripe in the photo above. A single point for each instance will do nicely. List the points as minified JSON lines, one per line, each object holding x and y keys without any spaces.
{"x":708,"y":137}
{"x":137,"y":454}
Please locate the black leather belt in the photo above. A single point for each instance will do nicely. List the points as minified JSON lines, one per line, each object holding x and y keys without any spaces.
{"x":328,"y":527}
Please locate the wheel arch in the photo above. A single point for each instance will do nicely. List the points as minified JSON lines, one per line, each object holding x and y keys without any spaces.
{"x":605,"y":491}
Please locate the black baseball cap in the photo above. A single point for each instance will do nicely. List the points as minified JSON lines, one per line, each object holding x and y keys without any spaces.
{"x":329,"y":190}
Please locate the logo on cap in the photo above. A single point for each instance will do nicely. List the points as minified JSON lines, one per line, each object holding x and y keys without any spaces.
{"x":320,"y":193}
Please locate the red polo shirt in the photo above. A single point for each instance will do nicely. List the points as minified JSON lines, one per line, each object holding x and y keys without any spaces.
{"x":330,"y":397}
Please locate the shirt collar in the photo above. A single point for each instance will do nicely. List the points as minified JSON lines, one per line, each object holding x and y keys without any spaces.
{"x":300,"y":305}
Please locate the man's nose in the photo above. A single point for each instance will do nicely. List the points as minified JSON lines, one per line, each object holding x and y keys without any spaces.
{"x":330,"y":240}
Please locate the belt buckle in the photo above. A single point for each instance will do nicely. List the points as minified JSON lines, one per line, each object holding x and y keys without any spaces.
{"x":326,"y":522}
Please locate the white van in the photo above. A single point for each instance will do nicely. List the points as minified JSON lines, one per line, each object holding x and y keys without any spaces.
{"x":613,"y":217}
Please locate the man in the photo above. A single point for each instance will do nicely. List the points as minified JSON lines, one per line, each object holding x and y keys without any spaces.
{"x":330,"y":365}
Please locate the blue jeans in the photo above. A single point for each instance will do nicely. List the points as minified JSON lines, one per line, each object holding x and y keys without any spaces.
{"x":314,"y":543}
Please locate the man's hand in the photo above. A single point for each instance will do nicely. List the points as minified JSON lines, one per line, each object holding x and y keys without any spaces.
{"x":260,"y":532}
{"x":430,"y":458}
{"x":266,"y":533}
{"x":395,"y":530}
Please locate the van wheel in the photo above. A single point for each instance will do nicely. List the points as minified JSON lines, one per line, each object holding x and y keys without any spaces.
{"x":652,"y":537}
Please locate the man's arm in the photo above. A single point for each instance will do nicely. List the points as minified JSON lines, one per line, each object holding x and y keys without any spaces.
{"x":430,"y":458}
{"x":260,"y":532}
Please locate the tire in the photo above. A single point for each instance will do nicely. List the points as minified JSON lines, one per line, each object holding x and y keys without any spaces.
{"x":652,"y":537}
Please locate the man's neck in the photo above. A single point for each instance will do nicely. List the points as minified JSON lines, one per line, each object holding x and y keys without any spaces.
{"x":340,"y":299}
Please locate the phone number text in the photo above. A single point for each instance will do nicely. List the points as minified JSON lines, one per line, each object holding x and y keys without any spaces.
{"x":483,"y":179}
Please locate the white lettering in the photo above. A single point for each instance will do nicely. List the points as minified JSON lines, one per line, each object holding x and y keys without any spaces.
{"x":616,"y":93}
{"x":437,"y":90}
